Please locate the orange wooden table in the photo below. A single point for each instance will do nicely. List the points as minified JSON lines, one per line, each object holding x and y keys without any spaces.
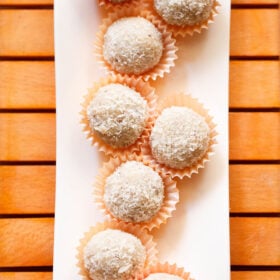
{"x":27,"y":140}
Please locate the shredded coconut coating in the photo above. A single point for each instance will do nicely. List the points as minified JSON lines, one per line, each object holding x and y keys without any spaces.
{"x":134,"y":192}
{"x":183,"y":12}
{"x":179,"y":138}
{"x":132,"y":45}
{"x":114,"y":254}
{"x":163,"y":276}
{"x":118,"y":115}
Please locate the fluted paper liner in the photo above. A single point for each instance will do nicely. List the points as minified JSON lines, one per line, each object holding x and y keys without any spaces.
{"x":164,"y":268}
{"x":145,"y":238}
{"x":169,"y":47}
{"x":187,"y":29}
{"x":171,"y":193}
{"x":188,"y":101}
{"x":108,"y":5}
{"x":137,"y":84}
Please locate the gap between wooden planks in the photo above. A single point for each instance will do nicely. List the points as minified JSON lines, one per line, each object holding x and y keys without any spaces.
{"x":31,"y":85}
{"x":256,"y":244}
{"x":254,"y":32}
{"x":31,"y":189}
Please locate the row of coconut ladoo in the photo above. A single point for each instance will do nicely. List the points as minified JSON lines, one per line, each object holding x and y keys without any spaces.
{"x":149,"y":143}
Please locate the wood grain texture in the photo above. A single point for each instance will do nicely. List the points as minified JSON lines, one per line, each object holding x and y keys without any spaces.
{"x":27,"y":189}
{"x":31,"y":85}
{"x":254,"y":136}
{"x":26,"y":33}
{"x":27,"y":85}
{"x":26,"y":275}
{"x":240,"y":275}
{"x":26,"y":2}
{"x":255,"y":275}
{"x":254,"y":84}
{"x":27,"y":137}
{"x":26,"y":242}
{"x":44,"y":2}
{"x":255,"y":241}
{"x":254,"y":188}
{"x":254,"y":2}
{"x":31,"y":189}
{"x":254,"y":32}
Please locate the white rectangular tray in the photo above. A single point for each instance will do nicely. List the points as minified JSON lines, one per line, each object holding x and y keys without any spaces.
{"x":197,"y":237}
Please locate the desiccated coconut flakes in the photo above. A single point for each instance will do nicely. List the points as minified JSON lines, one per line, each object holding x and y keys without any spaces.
{"x":114,"y":254}
{"x":134,"y":192}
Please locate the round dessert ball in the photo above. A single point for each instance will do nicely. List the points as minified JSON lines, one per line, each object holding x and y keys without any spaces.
{"x":114,"y":254}
{"x":183,"y":12}
{"x":134,"y":192}
{"x":163,"y":276}
{"x":179,"y":138}
{"x":118,"y":115}
{"x":132,"y":45}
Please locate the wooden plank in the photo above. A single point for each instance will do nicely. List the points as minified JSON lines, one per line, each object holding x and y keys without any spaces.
{"x":254,"y":2}
{"x":235,"y":275}
{"x":27,"y":84}
{"x":30,"y":189}
{"x":29,"y":242}
{"x":26,"y":275}
{"x":254,"y":84}
{"x":27,"y":189}
{"x":255,"y":241}
{"x":26,"y":242}
{"x":49,"y":2}
{"x":26,"y":33}
{"x":30,"y":85}
{"x":255,"y":275}
{"x":26,"y":2}
{"x":254,"y":136}
{"x":27,"y":137}
{"x":254,"y":32}
{"x":254,"y":188}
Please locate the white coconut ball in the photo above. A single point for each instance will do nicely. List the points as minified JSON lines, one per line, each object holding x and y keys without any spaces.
{"x":134,"y":192}
{"x":163,"y":276}
{"x":184,"y":12}
{"x":114,"y":254}
{"x":118,"y":115}
{"x":132,"y":45}
{"x":179,"y":138}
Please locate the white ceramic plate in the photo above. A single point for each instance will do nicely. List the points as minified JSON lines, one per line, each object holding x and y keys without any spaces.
{"x":197,"y":237}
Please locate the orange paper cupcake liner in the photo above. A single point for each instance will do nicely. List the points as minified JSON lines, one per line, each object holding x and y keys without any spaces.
{"x":169,"y":50}
{"x":164,"y":268}
{"x":171,"y":193}
{"x":145,"y":90}
{"x":145,"y":238}
{"x":188,"y":101}
{"x":108,"y":5}
{"x":185,"y":30}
